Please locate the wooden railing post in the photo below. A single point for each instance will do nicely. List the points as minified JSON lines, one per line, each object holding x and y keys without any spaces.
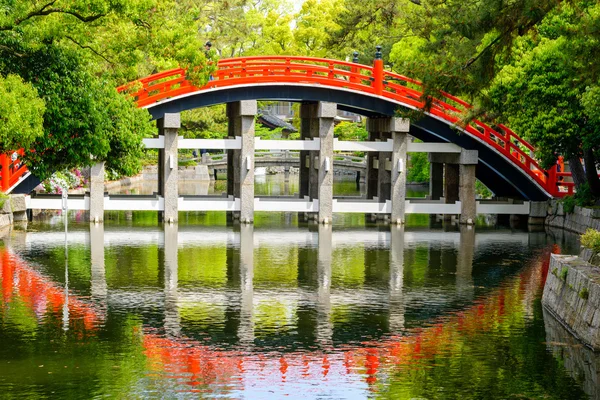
{"x":4,"y":172}
{"x":551,"y":181}
{"x":378,"y":72}
{"x":354,"y":69}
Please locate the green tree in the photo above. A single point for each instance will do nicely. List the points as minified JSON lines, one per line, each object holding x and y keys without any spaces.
{"x":21,"y":114}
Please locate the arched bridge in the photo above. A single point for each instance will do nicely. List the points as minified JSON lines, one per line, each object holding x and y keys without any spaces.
{"x":506,"y":163}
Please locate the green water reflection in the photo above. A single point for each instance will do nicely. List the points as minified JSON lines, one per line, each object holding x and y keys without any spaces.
{"x":131,"y":310}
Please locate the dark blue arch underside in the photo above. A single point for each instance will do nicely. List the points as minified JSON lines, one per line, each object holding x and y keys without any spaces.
{"x":497,"y":173}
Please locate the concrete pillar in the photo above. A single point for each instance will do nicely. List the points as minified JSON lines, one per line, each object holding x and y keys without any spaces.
{"x":246,"y":327}
{"x":396,"y":285}
{"x":324,"y":332}
{"x":308,"y":123}
{"x":468,"y":208}
{"x":538,"y":211}
{"x":468,"y":163}
{"x":172,"y":318}
{"x":99,"y":290}
{"x":326,"y":113}
{"x":451,"y":183}
{"x":168,"y":167}
{"x":97,"y":192}
{"x":241,"y":117}
{"x":399,"y":128}
{"x":372,"y":167}
{"x":436,"y":180}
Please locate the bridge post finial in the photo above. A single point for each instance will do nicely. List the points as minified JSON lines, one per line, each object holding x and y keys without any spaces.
{"x":378,"y":55}
{"x":355,"y":57}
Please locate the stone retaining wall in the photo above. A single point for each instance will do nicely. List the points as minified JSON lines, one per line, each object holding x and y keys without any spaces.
{"x":13,"y":210}
{"x":572,"y":295}
{"x":578,"y":221}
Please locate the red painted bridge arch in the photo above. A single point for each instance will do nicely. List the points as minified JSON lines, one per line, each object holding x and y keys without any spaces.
{"x":506,"y":163}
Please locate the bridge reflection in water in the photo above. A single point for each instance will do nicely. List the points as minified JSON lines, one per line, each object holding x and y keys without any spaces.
{"x":258,"y":350}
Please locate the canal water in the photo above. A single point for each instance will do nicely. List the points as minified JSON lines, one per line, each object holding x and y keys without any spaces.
{"x":130,"y":309}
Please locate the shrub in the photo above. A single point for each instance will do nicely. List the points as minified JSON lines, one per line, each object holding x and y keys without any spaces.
{"x":3,"y":199}
{"x":584,"y":293}
{"x":591,"y":240}
{"x":568,"y":204}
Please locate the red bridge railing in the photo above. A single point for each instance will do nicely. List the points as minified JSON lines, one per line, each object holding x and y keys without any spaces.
{"x":367,"y":79}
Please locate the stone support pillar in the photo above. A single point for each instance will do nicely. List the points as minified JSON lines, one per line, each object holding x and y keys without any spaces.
{"x":399,"y":128}
{"x":468,"y":163}
{"x":326,"y":113}
{"x":308,"y":121}
{"x":241,"y":118}
{"x":538,"y":211}
{"x":372,"y":167}
{"x":436,"y":180}
{"x":97,"y":192}
{"x":451,"y":183}
{"x":168,"y":166}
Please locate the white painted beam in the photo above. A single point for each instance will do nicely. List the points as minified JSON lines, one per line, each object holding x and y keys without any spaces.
{"x":433,"y":148}
{"x":211,"y":144}
{"x":314,"y":144}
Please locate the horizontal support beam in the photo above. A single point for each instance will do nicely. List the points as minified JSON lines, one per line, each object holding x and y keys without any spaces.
{"x":217,"y":144}
{"x":286,"y":205}
{"x":433,"y":148}
{"x":208,"y":204}
{"x":154,"y":143}
{"x":346,"y":145}
{"x":260,"y":144}
{"x":272,"y":205}
{"x":503,"y":208}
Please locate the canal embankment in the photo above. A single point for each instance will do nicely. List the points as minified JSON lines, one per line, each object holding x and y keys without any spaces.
{"x":572,"y":295}
{"x":12,"y":209}
{"x":577,"y":221}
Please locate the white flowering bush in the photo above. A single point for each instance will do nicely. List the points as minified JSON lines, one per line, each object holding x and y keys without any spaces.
{"x":64,"y":179}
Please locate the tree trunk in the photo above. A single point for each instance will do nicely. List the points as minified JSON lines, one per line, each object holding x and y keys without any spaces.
{"x":577,"y":172}
{"x":590,"y":172}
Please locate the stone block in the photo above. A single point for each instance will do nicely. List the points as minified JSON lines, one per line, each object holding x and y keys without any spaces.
{"x":6,"y":207}
{"x":538,"y":209}
{"x":248,"y":108}
{"x":327,"y":110}
{"x":172,"y":121}
{"x":18,"y":202}
{"x":468,"y":157}
{"x":399,"y":125}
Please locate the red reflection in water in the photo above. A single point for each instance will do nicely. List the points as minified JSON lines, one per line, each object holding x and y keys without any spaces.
{"x":41,"y":295}
{"x":201,"y":367}
{"x":369,"y":360}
